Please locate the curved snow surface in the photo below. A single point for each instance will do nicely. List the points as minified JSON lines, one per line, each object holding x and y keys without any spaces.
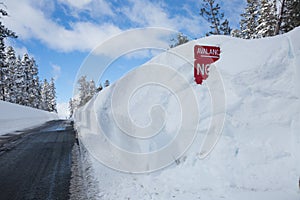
{"x":258,"y":153}
{"x":15,"y":117}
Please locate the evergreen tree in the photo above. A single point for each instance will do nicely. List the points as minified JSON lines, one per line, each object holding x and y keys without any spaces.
{"x":281,"y":13}
{"x":236,"y":33}
{"x":267,"y":20}
{"x":99,"y":88}
{"x":19,"y":82}
{"x":23,"y":86}
{"x":31,"y":81}
{"x":211,"y":12}
{"x":11,"y":87}
{"x":290,"y":16}
{"x":87,"y":90}
{"x":224,"y":28}
{"x":180,"y":39}
{"x":92,"y":89}
{"x":48,"y":95}
{"x":71,"y":107}
{"x":26,"y":65}
{"x":248,"y":22}
{"x":45,"y":95}
{"x":35,"y":92}
{"x":38,"y":103}
{"x":106,"y":83}
{"x":83,"y":90}
{"x":52,"y":97}
{"x":4,"y":33}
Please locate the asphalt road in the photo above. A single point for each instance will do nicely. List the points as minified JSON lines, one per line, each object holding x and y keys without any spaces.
{"x":37,"y":164}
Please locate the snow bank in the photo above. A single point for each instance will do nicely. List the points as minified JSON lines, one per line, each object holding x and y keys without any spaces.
{"x":15,"y":117}
{"x":258,"y":154}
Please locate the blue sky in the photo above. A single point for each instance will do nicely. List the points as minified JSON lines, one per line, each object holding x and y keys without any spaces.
{"x":59,"y":34}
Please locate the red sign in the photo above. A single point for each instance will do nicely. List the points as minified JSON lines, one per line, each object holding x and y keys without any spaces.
{"x":204,"y":56}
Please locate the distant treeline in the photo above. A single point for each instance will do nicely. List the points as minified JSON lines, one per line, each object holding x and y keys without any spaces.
{"x":19,"y":80}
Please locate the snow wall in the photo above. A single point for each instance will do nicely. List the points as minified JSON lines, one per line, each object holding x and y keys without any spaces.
{"x":14,"y":117}
{"x":257,"y":155}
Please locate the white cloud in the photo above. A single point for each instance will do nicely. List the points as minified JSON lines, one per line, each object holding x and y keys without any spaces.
{"x":63,"y":110}
{"x":121,"y":45}
{"x":48,"y":7}
{"x":56,"y":71}
{"x":96,"y":8}
{"x":147,"y":13}
{"x":31,"y":19}
{"x":30,"y":22}
{"x":133,"y":40}
{"x":76,"y":3}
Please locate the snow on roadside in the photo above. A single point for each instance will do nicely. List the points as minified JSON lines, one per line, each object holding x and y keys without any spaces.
{"x":82,"y":185}
{"x":258,"y":154}
{"x":14,"y":117}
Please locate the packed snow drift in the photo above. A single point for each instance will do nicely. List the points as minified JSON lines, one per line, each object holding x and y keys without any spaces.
{"x":15,"y":117}
{"x":256,"y":157}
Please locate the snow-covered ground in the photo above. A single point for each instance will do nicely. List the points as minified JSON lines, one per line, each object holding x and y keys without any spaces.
{"x":15,"y":117}
{"x":258,"y":153}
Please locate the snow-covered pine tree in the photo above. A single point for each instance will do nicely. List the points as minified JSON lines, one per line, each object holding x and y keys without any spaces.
{"x":71,"y":107}
{"x":179,"y":40}
{"x":290,"y":15}
{"x":75,"y":103}
{"x":28,"y":77}
{"x":92,"y":89}
{"x":87,"y":90}
{"x":211,"y":12}
{"x":31,"y":82}
{"x":45,"y":95}
{"x":83,"y":90}
{"x":52,"y":96}
{"x":248,"y":22}
{"x":236,"y":33}
{"x":4,"y":33}
{"x":39,"y":94}
{"x":267,"y":19}
{"x":11,"y":87}
{"x":4,"y":78}
{"x":19,"y":81}
{"x":34,"y":92}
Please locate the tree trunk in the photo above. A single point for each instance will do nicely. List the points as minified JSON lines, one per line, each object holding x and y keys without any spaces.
{"x":278,"y":26}
{"x":214,"y":17}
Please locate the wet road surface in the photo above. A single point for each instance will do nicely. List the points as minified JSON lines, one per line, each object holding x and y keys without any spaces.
{"x":37,"y":164}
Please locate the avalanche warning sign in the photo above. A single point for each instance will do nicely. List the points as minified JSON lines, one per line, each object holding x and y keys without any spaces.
{"x":204,"y":57}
